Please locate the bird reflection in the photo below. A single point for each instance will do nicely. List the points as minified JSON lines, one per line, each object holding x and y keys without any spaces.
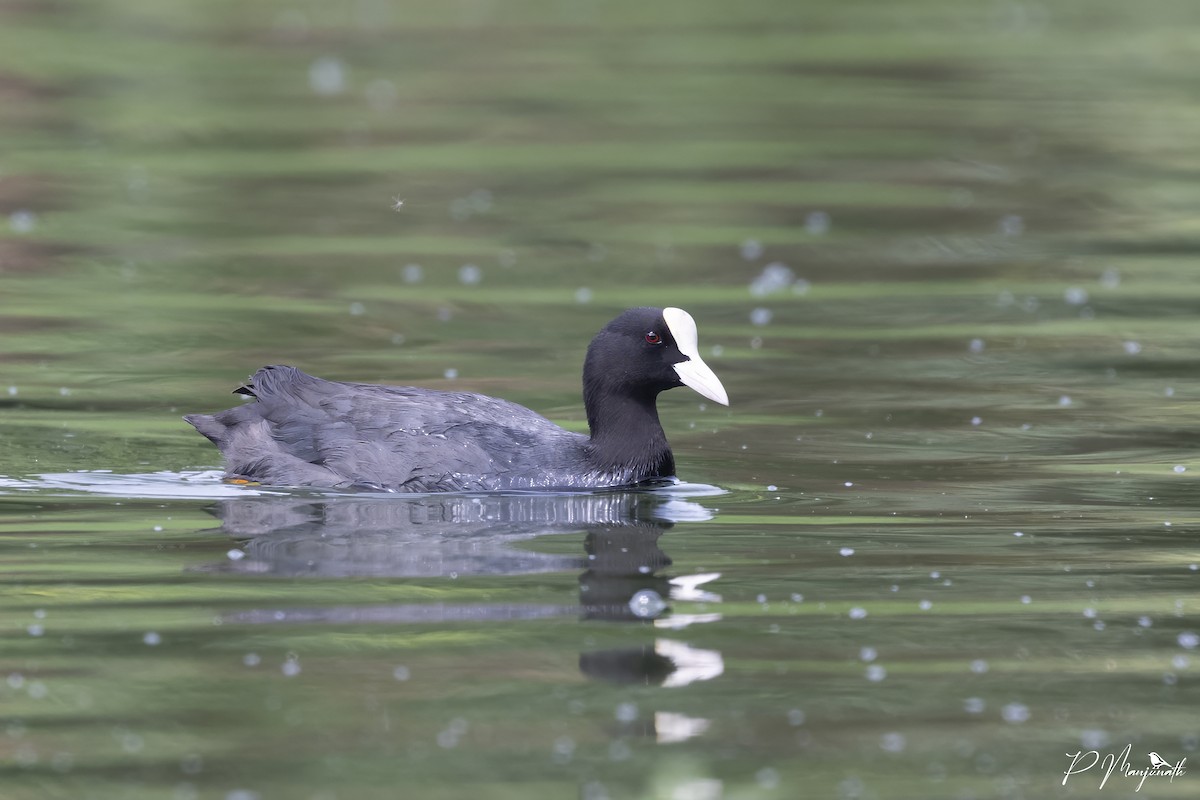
{"x":445,"y":536}
{"x":622,"y":569}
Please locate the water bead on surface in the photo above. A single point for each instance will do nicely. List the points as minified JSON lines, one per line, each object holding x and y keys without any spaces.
{"x":1075,"y":295}
{"x":760,"y":317}
{"x":327,"y":76}
{"x":22,"y":221}
{"x":626,"y":712}
{"x":646,"y":604}
{"x":469,"y":274}
{"x":1015,"y":713}
{"x":775,"y":277}
{"x":818,"y":223}
{"x":751,"y":249}
{"x":1011,"y":225}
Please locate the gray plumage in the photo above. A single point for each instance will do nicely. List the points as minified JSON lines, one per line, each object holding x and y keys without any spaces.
{"x":304,"y":431}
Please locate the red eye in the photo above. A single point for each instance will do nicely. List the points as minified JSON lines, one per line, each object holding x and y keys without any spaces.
{"x":653,"y":338}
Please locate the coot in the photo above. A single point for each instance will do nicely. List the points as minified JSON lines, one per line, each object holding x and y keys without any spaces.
{"x":305,"y":431}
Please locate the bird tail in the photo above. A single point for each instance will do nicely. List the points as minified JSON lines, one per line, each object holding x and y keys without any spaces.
{"x":209,"y":427}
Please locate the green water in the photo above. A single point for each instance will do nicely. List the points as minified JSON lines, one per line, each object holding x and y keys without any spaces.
{"x":980,"y":324}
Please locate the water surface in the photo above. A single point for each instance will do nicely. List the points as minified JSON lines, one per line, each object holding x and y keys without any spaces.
{"x":941,"y":255}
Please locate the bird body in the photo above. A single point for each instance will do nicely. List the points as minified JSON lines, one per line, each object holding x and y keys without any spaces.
{"x":305,"y":431}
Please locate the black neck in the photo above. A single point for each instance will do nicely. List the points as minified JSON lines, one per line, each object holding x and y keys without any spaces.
{"x":626,"y":434}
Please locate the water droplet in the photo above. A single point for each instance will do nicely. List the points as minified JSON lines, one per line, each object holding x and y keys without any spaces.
{"x":893,"y":742}
{"x":976,"y":346}
{"x":858,"y":613}
{"x":290,"y":668}
{"x":976,"y":420}
{"x":974,"y":705}
{"x":1132,"y":348}
{"x":1075,"y":295}
{"x":1015,"y":713}
{"x":401,"y":673}
{"x":1064,"y":400}
{"x":583,"y":295}
{"x":868,"y":654}
{"x":979,"y":666}
{"x":152,"y":639}
{"x":357,"y":309}
{"x":760,"y":316}
{"x":647,"y":603}
{"x":1188,"y":640}
{"x":626,"y":712}
{"x":327,"y":76}
{"x":469,"y":274}
{"x":775,"y":277}
{"x":925,"y":605}
{"x":235,"y":554}
{"x":818,"y":223}
{"x":751,"y":249}
{"x":22,"y":221}
{"x":795,"y":717}
{"x":846,"y":552}
{"x":251,"y":659}
{"x":1012,"y":225}
{"x":412,"y":273}
{"x":450,"y":374}
{"x":1179,"y":468}
{"x":875,"y":673}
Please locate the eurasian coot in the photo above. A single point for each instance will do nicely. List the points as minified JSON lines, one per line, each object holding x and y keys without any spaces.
{"x":305,"y":431}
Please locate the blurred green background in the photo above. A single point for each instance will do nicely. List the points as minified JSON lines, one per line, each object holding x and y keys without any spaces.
{"x":942,"y":255}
